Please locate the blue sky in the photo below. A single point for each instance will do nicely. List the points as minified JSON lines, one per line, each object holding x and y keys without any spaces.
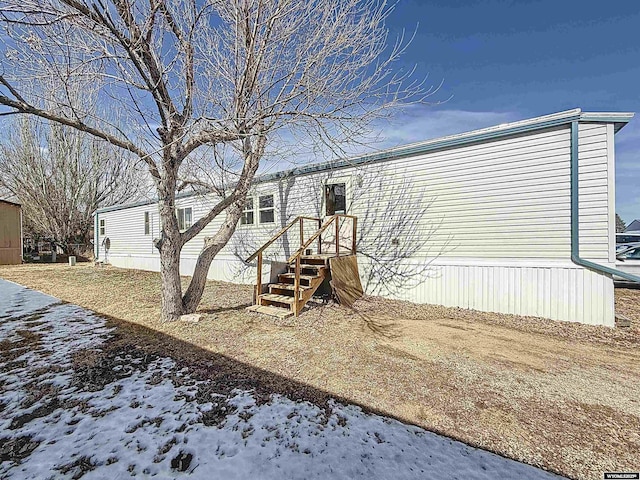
{"x":506,"y":60}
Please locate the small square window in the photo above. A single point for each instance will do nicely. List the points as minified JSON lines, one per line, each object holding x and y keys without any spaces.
{"x":184,"y":218}
{"x":103,"y":226}
{"x":247,"y":213}
{"x":147,"y":225}
{"x":265,"y":204}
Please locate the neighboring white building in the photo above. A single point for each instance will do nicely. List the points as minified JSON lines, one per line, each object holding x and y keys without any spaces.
{"x":481,"y":220}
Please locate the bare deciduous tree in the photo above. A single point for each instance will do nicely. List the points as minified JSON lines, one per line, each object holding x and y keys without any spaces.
{"x":187,"y":74}
{"x":620,"y":225}
{"x":62,"y":175}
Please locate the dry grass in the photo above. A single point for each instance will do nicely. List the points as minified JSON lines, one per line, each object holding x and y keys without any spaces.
{"x":557,"y":395}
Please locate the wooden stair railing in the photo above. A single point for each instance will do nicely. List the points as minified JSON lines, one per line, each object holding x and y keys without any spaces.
{"x":258,"y":253}
{"x":318,"y":235}
{"x":300,"y":294}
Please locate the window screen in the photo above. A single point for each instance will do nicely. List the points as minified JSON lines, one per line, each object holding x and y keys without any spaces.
{"x":335,"y":198}
{"x":147,"y":226}
{"x":265,"y":204}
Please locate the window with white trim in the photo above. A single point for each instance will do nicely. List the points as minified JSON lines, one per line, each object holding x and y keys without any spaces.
{"x":103,"y":226}
{"x":247,"y":213}
{"x":184,"y":218}
{"x":147,"y":224}
{"x":266,"y":210}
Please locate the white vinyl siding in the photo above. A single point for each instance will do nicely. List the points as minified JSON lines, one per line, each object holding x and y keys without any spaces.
{"x":594,"y":192}
{"x":486,"y":199}
{"x":125,"y":234}
{"x":507,"y":198}
{"x":491,"y":221}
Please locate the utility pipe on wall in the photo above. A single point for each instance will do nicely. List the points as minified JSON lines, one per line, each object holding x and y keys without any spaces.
{"x":575,"y":216}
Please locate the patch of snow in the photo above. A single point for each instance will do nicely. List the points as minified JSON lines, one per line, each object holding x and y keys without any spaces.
{"x":15,"y":300}
{"x":151,"y":419}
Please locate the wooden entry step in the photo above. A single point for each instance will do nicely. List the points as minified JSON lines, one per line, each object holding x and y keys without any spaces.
{"x":271,"y":310}
{"x":304,"y":266}
{"x":292,"y":276}
{"x":273,"y":297}
{"x":286,"y":286}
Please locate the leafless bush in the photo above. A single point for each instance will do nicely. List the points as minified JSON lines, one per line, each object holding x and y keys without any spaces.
{"x":61,"y":176}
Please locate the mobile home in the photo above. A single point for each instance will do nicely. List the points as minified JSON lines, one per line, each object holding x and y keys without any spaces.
{"x":517,"y":218}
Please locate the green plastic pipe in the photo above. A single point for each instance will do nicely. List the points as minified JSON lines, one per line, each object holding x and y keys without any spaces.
{"x":575,"y":221}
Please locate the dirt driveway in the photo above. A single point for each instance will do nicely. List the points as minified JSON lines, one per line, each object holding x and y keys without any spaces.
{"x":555,"y":395}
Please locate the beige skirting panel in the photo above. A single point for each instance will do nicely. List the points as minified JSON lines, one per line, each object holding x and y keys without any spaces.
{"x":559,"y":292}
{"x":563,"y":292}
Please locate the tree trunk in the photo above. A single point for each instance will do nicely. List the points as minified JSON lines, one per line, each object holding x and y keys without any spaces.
{"x":193,"y":295}
{"x":172,"y":306}
{"x":212,"y":247}
{"x":170,"y":247}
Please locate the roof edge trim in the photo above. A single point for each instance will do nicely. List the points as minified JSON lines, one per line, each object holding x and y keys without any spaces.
{"x":619,"y":119}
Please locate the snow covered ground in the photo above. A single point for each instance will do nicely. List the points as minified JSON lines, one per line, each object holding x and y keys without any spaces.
{"x":132,"y":415}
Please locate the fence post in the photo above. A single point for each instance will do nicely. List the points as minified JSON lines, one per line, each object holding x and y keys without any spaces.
{"x":301,"y":232}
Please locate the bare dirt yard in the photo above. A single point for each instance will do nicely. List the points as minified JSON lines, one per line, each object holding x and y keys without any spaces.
{"x":560,"y":396}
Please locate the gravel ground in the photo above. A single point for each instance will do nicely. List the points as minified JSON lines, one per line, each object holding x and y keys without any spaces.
{"x":556,"y":395}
